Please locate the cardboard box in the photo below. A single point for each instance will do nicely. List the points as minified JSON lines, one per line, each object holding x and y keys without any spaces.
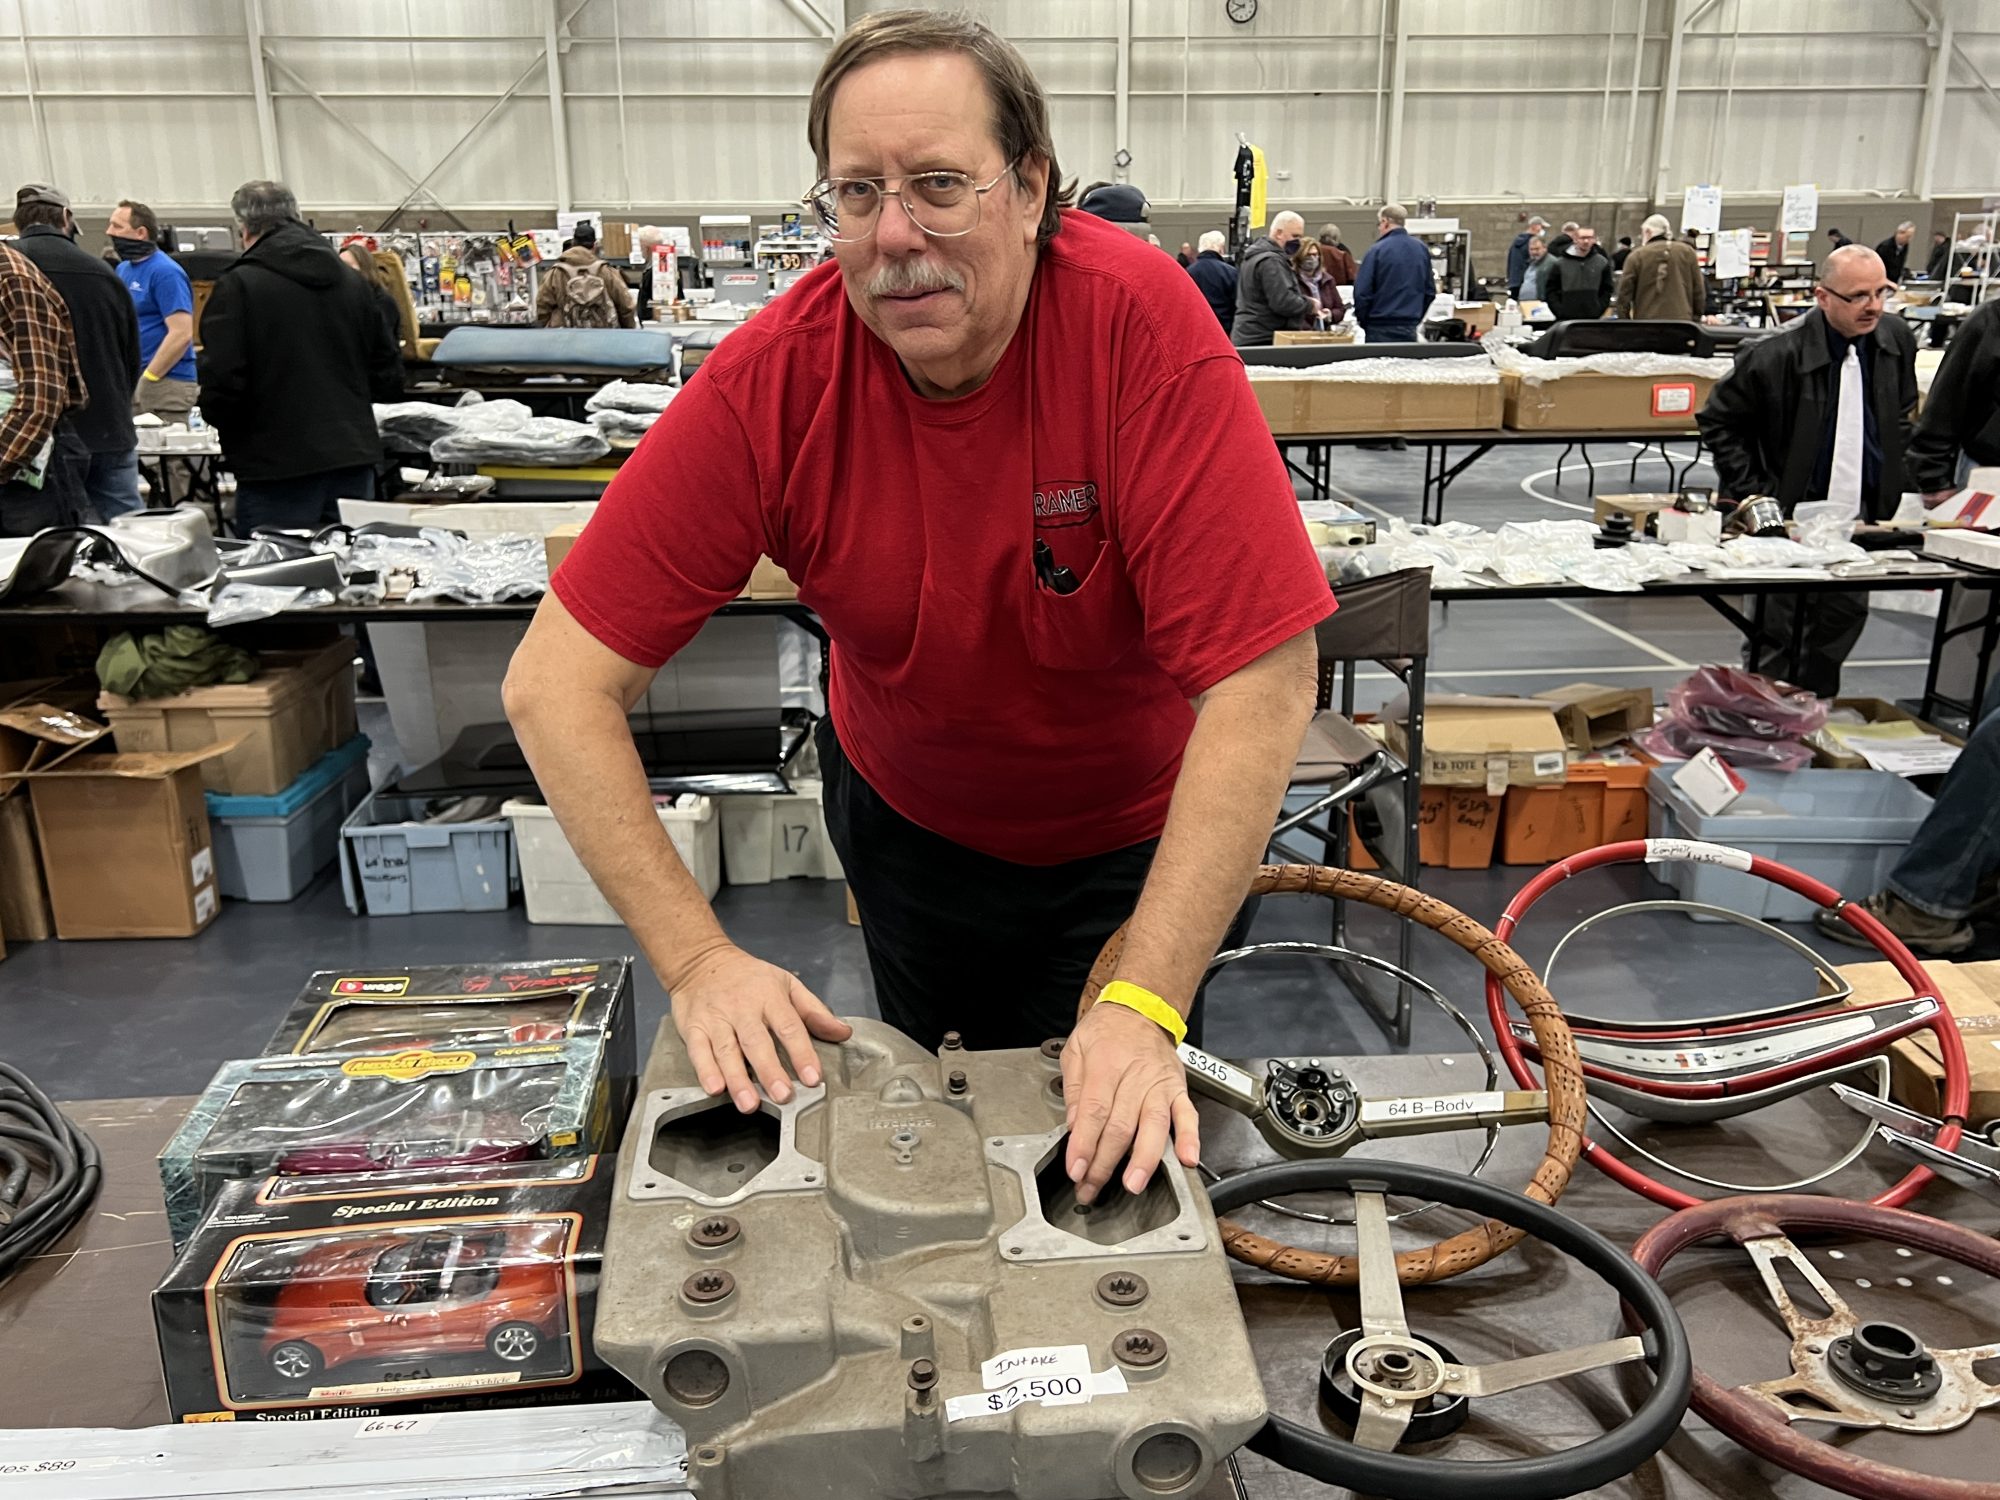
{"x":558,"y":542}
{"x":1478,"y":317}
{"x":24,"y":893}
{"x":767,"y":579}
{"x":1490,"y":743}
{"x":36,"y":733}
{"x":1593,"y":717}
{"x":364,"y":1294}
{"x":1827,"y":753}
{"x":1602,"y":802}
{"x":1585,"y":401}
{"x":1456,"y":830}
{"x":1286,"y":336}
{"x":1709,"y":782}
{"x":1916,"y":1075}
{"x":125,"y":843}
{"x":1306,"y":405}
{"x":1641,"y":508}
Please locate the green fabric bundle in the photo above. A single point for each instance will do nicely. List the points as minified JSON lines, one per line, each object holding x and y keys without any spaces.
{"x":171,"y":661}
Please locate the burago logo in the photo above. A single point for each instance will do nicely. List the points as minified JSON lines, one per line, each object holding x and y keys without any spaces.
{"x":410,"y":1066}
{"x":1067,"y":502}
{"x":396,"y":986}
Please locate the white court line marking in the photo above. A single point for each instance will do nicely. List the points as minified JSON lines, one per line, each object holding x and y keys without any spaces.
{"x":1528,"y":484}
{"x":1638,"y":643}
{"x":1585,"y":674}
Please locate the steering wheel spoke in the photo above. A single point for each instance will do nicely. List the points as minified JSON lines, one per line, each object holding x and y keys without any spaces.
{"x":1382,"y":1423}
{"x":1381,"y":1291}
{"x":1812,"y":1403}
{"x":1538,"y":1369}
{"x":1420,"y":1114}
{"x":1771,"y":1251}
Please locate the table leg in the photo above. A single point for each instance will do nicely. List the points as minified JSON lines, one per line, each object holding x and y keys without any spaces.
{"x":1561,"y":459}
{"x":1756,"y":662}
{"x":1795,"y":663}
{"x":1940,"y":635}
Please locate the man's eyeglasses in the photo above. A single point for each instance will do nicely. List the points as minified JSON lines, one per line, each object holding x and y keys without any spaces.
{"x":942,"y":204}
{"x":1853,"y":299}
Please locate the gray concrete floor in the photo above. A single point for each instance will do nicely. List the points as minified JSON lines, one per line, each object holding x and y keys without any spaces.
{"x":130,"y":1018}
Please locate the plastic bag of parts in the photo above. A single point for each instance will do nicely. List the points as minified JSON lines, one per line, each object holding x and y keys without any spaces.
{"x":478,"y":570}
{"x":1451,"y":551}
{"x":1469,"y":371}
{"x":1506,"y":357}
{"x":1676,"y":738}
{"x":1539,"y":551}
{"x":412,"y":426}
{"x":623,"y":426}
{"x":1731,"y":701}
{"x":613,"y":1448}
{"x":1623,"y":570}
{"x":508,"y":432}
{"x":465,"y":1301}
{"x":632,"y":396}
{"x":241,"y":603}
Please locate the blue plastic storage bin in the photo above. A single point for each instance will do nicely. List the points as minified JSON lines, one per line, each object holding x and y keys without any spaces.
{"x":394,"y":864}
{"x":1847,"y":828}
{"x":270,"y":848}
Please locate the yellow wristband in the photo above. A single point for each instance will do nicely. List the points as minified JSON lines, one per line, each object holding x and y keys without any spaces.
{"x":1147,"y":1004}
{"x":149,"y":375}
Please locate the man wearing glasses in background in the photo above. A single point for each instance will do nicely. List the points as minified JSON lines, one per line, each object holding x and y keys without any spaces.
{"x":1820,"y":411}
{"x":1007,"y":454}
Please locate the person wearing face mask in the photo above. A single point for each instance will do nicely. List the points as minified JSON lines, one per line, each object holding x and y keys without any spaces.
{"x":1072,"y":629}
{"x":165,"y":304}
{"x":1318,"y":284}
{"x":1268,"y":295}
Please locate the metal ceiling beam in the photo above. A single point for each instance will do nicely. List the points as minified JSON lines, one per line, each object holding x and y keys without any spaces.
{"x":1121,"y":96}
{"x":1392,"y":150}
{"x":1682,"y":15}
{"x":552,"y":24}
{"x":267,"y":117}
{"x":1924,"y":168}
{"x":35,"y":114}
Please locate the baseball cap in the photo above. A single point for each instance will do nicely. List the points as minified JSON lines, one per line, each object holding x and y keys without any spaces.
{"x":40,"y":192}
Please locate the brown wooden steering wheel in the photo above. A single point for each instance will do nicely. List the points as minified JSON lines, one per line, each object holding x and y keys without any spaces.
{"x":1562,"y":1075}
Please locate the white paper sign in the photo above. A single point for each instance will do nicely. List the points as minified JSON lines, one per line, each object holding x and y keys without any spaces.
{"x":1431,"y":1107}
{"x":1019,"y":1364}
{"x":1045,"y":1390}
{"x":1730,"y":253}
{"x":1801,"y":211}
{"x":1701,"y":209}
{"x":566,"y":223}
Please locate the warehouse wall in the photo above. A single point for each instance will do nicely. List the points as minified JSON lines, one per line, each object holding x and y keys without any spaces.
{"x":672,"y":105}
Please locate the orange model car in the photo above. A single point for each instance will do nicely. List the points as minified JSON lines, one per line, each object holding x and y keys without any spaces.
{"x":496,"y":1289}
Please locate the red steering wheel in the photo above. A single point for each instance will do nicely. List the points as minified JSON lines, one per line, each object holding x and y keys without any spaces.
{"x":1938,"y":1020}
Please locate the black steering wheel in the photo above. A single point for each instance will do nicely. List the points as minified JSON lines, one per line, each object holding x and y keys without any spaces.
{"x":1394,"y":1377}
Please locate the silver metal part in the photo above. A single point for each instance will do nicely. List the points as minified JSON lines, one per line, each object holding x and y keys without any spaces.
{"x":1974,"y":1163}
{"x":873,"y":1292}
{"x":1813,"y":1393}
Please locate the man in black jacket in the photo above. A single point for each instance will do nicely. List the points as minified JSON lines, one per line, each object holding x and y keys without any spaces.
{"x":1267,"y":288}
{"x":1895,"y":250}
{"x":293,"y":355}
{"x":1787,"y":423}
{"x":107,"y":349}
{"x":1216,"y":277}
{"x":1579,"y":282}
{"x":1962,"y":412}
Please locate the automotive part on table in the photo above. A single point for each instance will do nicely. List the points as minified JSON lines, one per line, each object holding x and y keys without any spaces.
{"x":1410,"y":1390}
{"x":1845,"y":1372}
{"x":49,"y":1171}
{"x":1334,"y":1119}
{"x":887,"y":1287}
{"x":1973,"y":1163}
{"x":1711,"y":1069}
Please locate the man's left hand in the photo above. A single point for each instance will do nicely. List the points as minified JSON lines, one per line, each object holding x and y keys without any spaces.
{"x":1124,"y":1088}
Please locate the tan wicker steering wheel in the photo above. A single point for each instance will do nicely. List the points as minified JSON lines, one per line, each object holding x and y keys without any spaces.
{"x":1563,"y":1076}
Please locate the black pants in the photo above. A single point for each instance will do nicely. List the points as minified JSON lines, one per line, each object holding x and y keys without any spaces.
{"x":59,"y":501}
{"x":961,"y":941}
{"x":303,"y":504}
{"x":1833,"y":623}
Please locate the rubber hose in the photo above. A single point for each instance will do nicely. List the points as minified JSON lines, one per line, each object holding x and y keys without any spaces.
{"x":59,"y":1168}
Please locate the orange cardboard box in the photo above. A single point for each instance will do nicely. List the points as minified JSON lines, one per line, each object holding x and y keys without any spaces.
{"x":1456,"y":829}
{"x":1601,"y":803}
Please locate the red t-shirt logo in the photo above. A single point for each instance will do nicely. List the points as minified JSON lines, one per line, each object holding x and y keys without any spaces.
{"x":1066,"y":502}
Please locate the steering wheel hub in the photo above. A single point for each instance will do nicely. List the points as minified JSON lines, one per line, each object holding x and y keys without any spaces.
{"x":1315,"y":1104}
{"x":1395,"y":1371}
{"x":1886,"y":1361}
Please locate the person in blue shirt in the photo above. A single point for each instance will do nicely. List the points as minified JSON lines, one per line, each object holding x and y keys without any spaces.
{"x":165,"y":304}
{"x":1395,"y":285}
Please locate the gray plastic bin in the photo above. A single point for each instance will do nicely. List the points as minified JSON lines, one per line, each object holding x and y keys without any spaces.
{"x":273,"y":856}
{"x":1847,"y":828}
{"x":394,"y":864}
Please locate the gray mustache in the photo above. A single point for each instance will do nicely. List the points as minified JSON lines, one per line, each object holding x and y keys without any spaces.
{"x":906,"y":278}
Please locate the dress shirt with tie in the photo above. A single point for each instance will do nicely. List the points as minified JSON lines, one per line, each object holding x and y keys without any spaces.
{"x":1848,"y":466}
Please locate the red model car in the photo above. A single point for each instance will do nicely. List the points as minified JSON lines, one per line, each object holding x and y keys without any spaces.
{"x":454,"y":1292}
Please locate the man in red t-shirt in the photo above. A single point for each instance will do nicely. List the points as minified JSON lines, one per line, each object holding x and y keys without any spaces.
{"x":1007,"y":455}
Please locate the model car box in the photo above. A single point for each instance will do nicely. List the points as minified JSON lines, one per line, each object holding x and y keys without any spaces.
{"x":398,"y":1293}
{"x":341,"y":1012}
{"x":315,"y":1115}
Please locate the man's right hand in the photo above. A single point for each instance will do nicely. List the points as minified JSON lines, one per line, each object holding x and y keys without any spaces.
{"x":735,"y":1011}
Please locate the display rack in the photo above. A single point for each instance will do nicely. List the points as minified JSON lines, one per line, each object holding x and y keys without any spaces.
{"x":1972,"y":269}
{"x":1451,"y":253}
